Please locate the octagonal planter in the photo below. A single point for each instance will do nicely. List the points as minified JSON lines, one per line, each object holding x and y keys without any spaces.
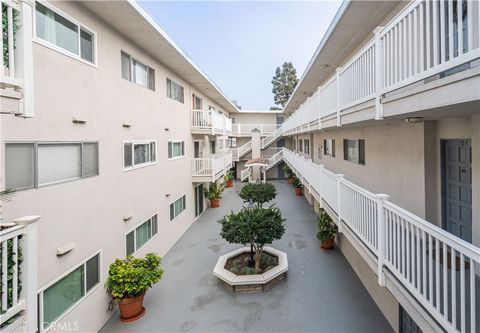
{"x":251,"y":283}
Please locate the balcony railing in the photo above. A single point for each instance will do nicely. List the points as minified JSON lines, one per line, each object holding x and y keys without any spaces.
{"x":246,"y":129}
{"x":211,"y":167}
{"x":212,"y":121}
{"x":16,"y":61}
{"x":436,"y":267}
{"x":241,"y":151}
{"x":421,"y":41}
{"x":18,"y":267}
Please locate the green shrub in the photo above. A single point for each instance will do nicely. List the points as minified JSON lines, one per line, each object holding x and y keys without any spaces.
{"x":229,"y":175}
{"x":258,"y":193}
{"x":16,"y":26}
{"x":131,"y":277}
{"x":297,"y":183}
{"x":326,"y":228}
{"x":288,"y":171}
{"x":215,"y":190}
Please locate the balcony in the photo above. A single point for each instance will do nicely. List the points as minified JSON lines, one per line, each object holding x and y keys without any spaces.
{"x":209,"y":169}
{"x":16,"y":63}
{"x":421,"y":42}
{"x":245,"y":130}
{"x":210,"y":122}
{"x":406,"y":250}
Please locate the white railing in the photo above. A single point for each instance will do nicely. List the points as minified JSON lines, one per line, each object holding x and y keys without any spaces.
{"x":421,"y":41}
{"x":18,"y":267}
{"x":272,"y":137}
{"x":436,"y":267}
{"x":242,"y":150}
{"x":212,"y":166}
{"x":276,"y":158}
{"x":245,"y":173}
{"x":16,"y":64}
{"x":246,"y":129}
{"x":211,"y":120}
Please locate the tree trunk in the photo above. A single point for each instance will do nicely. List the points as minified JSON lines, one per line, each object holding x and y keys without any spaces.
{"x":258,"y":253}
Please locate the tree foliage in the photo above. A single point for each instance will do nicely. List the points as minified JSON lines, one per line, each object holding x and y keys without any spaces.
{"x":4,"y":36}
{"x":284,"y":82}
{"x":257,"y":226}
{"x":258,"y":193}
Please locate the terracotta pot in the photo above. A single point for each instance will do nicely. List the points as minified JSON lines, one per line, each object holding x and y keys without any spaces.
{"x":291,"y":180}
{"x":215,"y":203}
{"x":298,"y":190}
{"x":131,"y":308}
{"x":229,"y":183}
{"x":327,"y":244}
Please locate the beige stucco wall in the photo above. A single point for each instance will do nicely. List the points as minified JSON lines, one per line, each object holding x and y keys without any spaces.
{"x":255,"y":118}
{"x":89,"y":212}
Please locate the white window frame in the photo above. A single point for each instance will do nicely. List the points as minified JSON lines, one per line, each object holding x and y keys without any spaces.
{"x":132,"y":61}
{"x":173,"y":203}
{"x":329,"y":143}
{"x":141,"y":165}
{"x":58,"y":49}
{"x":35,"y":144}
{"x":178,"y":84}
{"x":80,"y":300}
{"x":134,"y":229}
{"x":184,"y":149}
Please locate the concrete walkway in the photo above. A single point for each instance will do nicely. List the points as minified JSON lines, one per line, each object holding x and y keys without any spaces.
{"x":321,"y":293}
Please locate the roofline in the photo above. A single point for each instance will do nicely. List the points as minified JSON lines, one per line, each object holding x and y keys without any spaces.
{"x":325,"y":38}
{"x":260,"y":111}
{"x":135,"y":4}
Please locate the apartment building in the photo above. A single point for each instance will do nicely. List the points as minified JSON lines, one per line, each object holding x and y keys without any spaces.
{"x":110,"y":132}
{"x":384,"y":131}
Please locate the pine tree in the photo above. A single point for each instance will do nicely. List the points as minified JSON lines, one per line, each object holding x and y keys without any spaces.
{"x":284,"y":82}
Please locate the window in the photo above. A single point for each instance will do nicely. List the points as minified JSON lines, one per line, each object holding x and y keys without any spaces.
{"x":232,"y":142}
{"x":174,"y":91}
{"x":196,"y":102}
{"x":69,"y":290}
{"x":138,"y":237}
{"x":354,"y":150}
{"x":176,"y":149}
{"x":177,"y":207}
{"x":30,"y":165}
{"x":55,"y":29}
{"x":306,"y":144}
{"x":212,"y":147}
{"x":138,"y":153}
{"x":329,"y":147}
{"x":300,"y":145}
{"x":135,"y":71}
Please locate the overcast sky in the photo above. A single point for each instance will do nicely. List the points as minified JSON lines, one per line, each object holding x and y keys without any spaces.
{"x":239,"y":44}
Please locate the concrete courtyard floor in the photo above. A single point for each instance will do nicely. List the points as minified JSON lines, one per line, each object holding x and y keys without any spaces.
{"x":321,"y":293}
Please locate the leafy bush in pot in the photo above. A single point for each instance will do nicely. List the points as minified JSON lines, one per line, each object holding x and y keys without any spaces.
{"x":326,"y":228}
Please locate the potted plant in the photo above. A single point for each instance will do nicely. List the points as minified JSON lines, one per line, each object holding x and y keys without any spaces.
{"x":229,"y":177}
{"x":298,"y":186}
{"x":290,"y":174}
{"x":327,"y":230}
{"x":129,"y":279}
{"x":214,"y":194}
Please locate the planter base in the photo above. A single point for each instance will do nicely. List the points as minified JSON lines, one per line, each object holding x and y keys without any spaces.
{"x":327,"y":244}
{"x":140,"y":315}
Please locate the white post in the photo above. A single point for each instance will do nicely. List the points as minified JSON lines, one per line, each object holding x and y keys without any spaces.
{"x":340,"y":176}
{"x":30,"y":270}
{"x":381,"y":236}
{"x":339,"y":120}
{"x":320,"y":193}
{"x":378,"y":73}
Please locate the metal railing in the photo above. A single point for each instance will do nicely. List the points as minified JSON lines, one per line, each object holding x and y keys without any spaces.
{"x":423,"y":40}
{"x":436,"y":267}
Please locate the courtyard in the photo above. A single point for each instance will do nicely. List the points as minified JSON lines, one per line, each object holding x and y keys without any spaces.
{"x":321,"y":293}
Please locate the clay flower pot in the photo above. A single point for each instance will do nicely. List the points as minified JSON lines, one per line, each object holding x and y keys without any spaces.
{"x":291,"y":180}
{"x":298,"y":191}
{"x":229,"y":183}
{"x":131,"y":309}
{"x":215,"y":203}
{"x":327,"y":244}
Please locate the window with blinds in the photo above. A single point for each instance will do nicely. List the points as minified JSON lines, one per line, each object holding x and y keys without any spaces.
{"x":135,"y":71}
{"x":138,"y":237}
{"x":177,"y":207}
{"x":175,"y":91}
{"x":176,"y":149}
{"x":138,"y":153}
{"x":30,"y":165}
{"x":354,"y":150}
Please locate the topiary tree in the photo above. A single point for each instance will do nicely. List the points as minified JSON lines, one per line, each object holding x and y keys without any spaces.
{"x":258,"y":193}
{"x":255,"y":226}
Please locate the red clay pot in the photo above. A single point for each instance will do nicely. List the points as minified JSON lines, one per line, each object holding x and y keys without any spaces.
{"x":131,"y":309}
{"x":291,"y":180}
{"x":215,"y":203}
{"x":298,"y":191}
{"x":327,"y":244}
{"x":229,"y":183}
